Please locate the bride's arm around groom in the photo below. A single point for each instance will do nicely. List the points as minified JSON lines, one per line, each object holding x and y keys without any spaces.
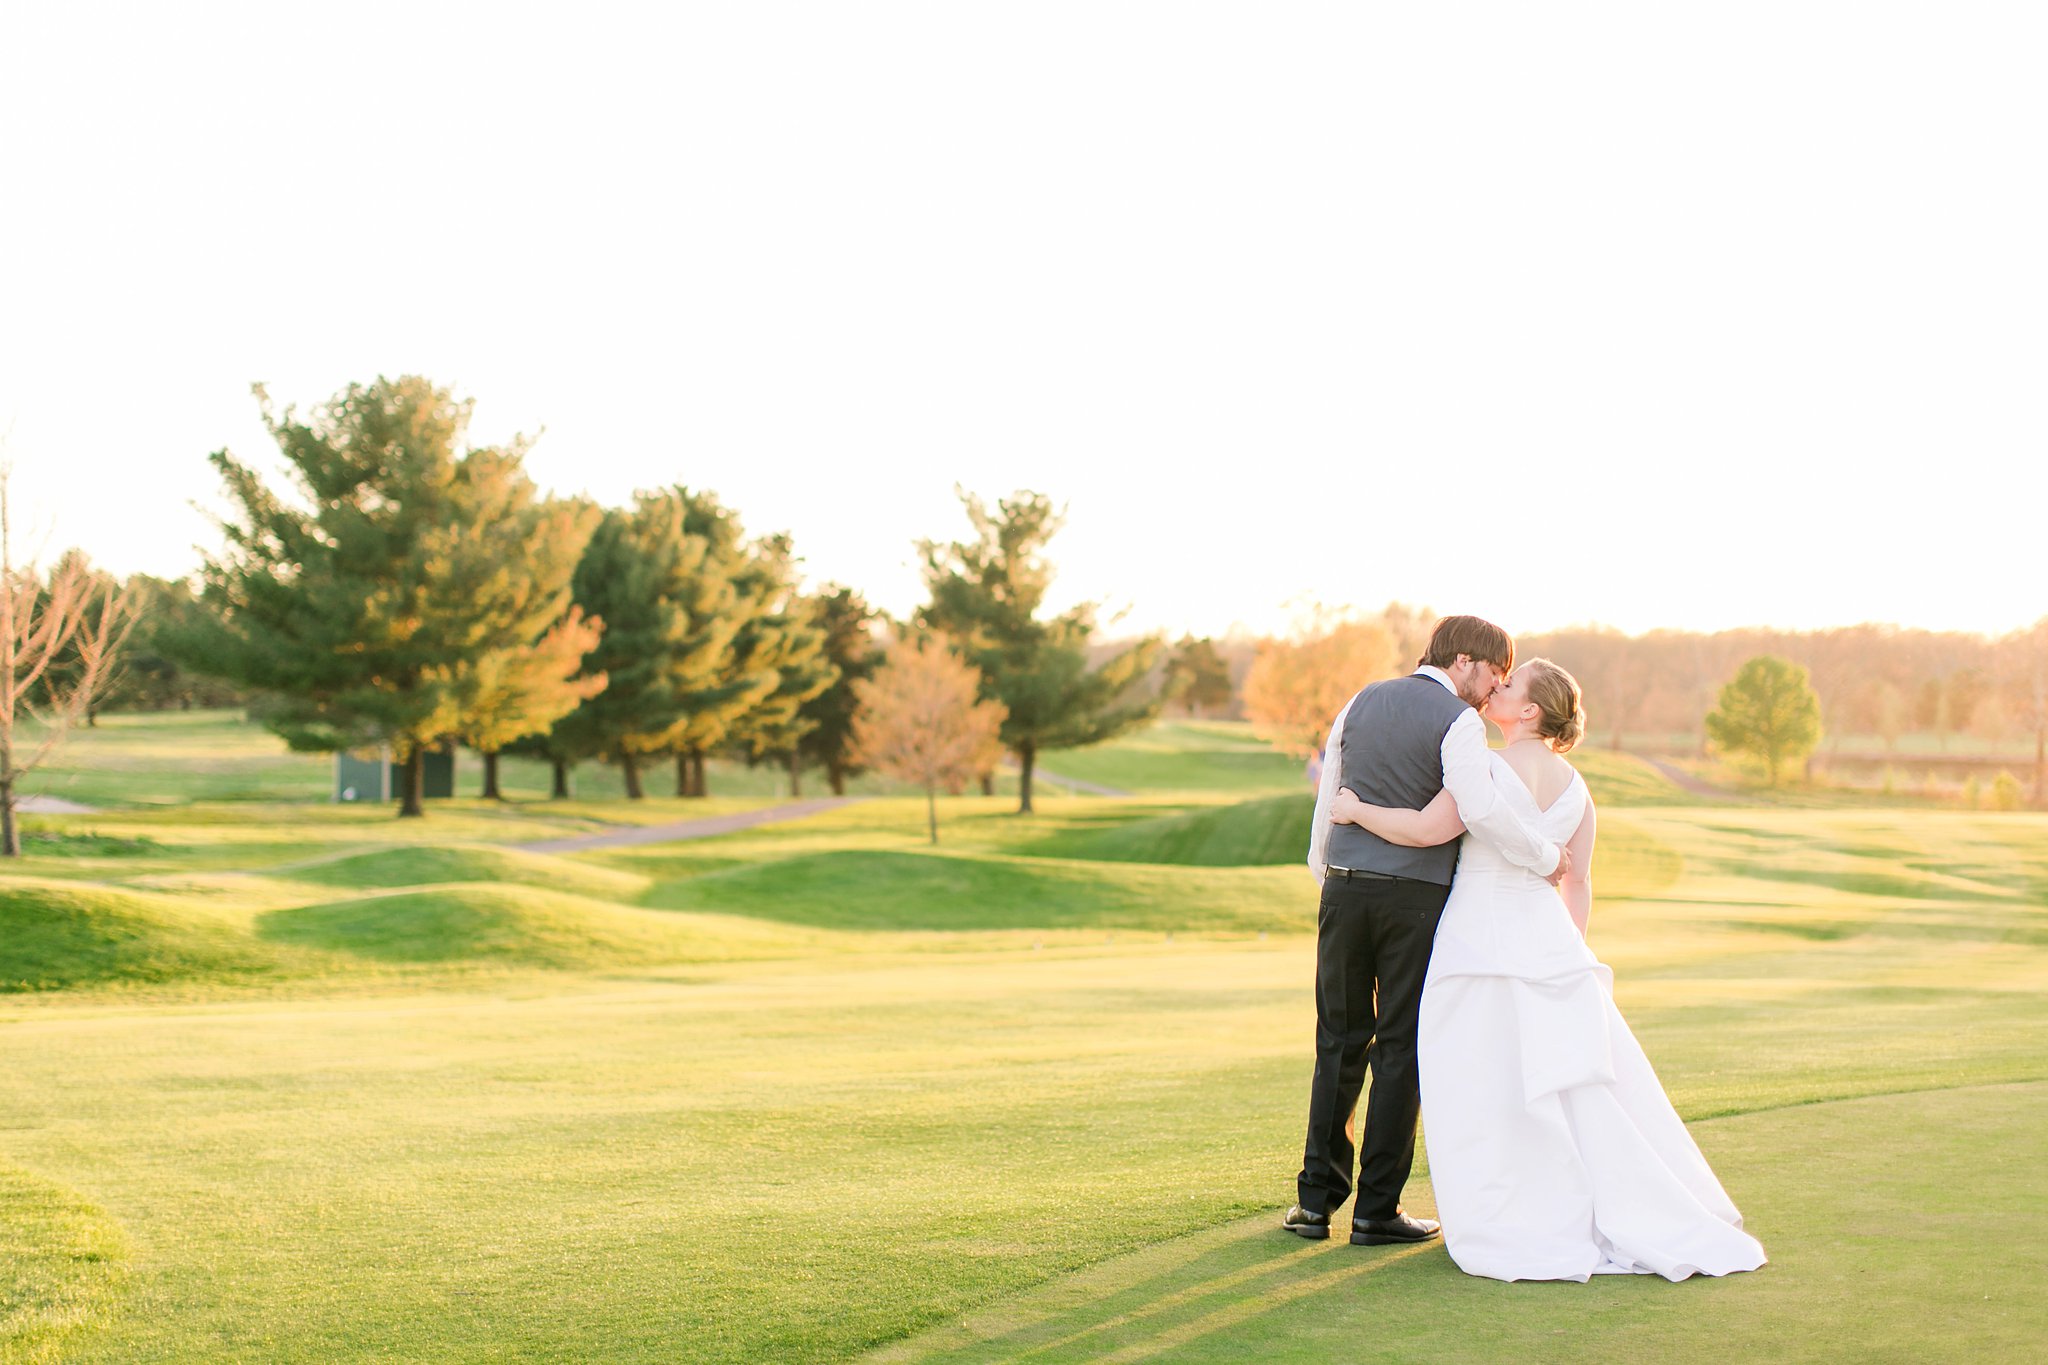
{"x":1469,"y":778}
{"x":1469,"y":801}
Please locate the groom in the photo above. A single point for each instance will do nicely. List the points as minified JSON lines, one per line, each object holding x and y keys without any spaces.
{"x":1398,"y":743}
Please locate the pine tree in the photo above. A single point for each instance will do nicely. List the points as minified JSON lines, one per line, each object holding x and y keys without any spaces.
{"x":150,"y":677}
{"x":667,"y":631}
{"x":847,"y":622}
{"x":535,"y":676}
{"x":753,"y":583}
{"x":796,"y":647}
{"x":550,"y":749}
{"x":358,"y":605}
{"x":987,"y":592}
{"x":514,"y":694}
{"x":1197,"y":676}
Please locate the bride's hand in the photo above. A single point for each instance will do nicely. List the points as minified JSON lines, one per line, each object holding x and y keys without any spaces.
{"x":1346,"y":809}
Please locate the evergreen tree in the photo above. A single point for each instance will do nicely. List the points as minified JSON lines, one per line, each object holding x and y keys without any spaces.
{"x":549,"y":747}
{"x":847,"y":622}
{"x":514,"y":694}
{"x":796,"y":646}
{"x":668,"y":628}
{"x":151,"y":677}
{"x":987,"y":593}
{"x":358,"y":605}
{"x":1197,"y":676}
{"x":755,"y":583}
{"x":535,"y":677}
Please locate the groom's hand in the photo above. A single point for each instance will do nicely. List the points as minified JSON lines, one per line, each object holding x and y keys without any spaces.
{"x":1564,"y":865}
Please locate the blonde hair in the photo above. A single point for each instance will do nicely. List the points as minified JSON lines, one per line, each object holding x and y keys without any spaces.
{"x":1556,"y":694}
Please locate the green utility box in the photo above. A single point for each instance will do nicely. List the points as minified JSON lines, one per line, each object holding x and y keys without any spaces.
{"x":362,"y":775}
{"x":370,"y":775}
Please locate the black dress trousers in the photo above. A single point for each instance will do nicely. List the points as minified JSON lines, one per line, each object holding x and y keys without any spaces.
{"x":1373,"y":940}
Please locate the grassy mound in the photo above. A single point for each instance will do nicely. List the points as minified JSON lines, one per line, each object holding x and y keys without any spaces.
{"x":1625,"y":780}
{"x":66,"y":1264}
{"x":1228,"y":757}
{"x":1274,"y":832}
{"x":441,"y":865}
{"x":1261,"y":833}
{"x":1181,"y":756}
{"x":55,"y":935}
{"x":491,"y":923}
{"x":867,"y":889}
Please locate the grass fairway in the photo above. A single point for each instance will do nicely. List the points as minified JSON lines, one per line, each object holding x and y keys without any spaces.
{"x":293,"y":1083}
{"x":1245,"y":1292}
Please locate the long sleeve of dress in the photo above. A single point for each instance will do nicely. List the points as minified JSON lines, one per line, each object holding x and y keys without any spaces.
{"x":1468,"y":774}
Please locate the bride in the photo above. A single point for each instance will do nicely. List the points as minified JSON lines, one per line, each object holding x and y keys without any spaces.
{"x":1552,"y":1148}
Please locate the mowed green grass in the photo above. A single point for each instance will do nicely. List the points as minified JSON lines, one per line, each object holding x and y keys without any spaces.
{"x":171,"y":758}
{"x":294,"y":1083}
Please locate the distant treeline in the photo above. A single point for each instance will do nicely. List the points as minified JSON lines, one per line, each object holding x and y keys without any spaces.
{"x":1884,"y":682}
{"x":1872,"y":680}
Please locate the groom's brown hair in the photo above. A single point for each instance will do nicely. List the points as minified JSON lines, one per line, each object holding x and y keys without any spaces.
{"x":1472,"y":637}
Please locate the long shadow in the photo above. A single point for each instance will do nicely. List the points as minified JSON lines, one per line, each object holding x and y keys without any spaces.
{"x":1871,"y":1206}
{"x":1141,"y":1306}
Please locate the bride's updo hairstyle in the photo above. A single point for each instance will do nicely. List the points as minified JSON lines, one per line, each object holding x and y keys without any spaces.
{"x":1556,"y":694}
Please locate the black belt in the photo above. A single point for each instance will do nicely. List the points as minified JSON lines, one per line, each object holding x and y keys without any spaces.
{"x":1359,"y":874}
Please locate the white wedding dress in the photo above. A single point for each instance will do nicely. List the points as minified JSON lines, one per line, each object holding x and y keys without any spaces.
{"x":1553,"y":1151}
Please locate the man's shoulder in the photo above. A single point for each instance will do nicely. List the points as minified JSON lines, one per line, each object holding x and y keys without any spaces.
{"x":1418,"y":686}
{"x":1407,"y":700}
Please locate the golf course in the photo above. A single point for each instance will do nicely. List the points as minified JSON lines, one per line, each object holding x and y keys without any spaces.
{"x":283,"y":1080}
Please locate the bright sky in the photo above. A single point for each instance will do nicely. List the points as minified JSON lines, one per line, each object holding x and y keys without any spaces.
{"x":1688,"y":315}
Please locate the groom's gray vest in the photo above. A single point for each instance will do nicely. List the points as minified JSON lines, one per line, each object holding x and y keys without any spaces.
{"x":1393,"y":756}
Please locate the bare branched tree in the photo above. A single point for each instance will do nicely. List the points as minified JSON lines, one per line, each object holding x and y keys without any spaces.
{"x":59,"y":639}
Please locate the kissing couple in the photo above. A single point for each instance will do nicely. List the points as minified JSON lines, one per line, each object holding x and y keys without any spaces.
{"x":1452,"y":963}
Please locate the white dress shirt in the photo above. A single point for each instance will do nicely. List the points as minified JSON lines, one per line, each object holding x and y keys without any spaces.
{"x":1468,"y":775}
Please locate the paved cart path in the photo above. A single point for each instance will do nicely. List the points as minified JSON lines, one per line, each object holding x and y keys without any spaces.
{"x":50,"y":805}
{"x":1696,"y":786}
{"x":1091,"y":788}
{"x":1071,"y":783}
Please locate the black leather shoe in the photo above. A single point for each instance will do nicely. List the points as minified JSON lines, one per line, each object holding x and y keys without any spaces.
{"x":1302,"y":1223}
{"x":1379,"y":1232}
